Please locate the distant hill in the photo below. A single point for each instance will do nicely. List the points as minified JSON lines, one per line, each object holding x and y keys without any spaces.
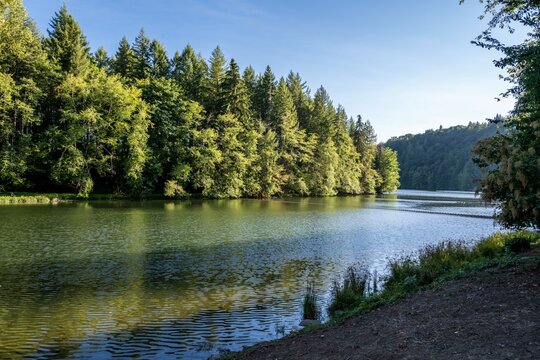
{"x":440,"y":159}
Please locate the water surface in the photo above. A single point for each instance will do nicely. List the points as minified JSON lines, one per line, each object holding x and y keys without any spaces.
{"x":189,"y":279}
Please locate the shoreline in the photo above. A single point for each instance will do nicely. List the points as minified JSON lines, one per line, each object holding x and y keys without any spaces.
{"x":345,"y":334}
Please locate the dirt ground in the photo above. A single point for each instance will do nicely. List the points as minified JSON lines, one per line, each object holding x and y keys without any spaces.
{"x":495,"y":315}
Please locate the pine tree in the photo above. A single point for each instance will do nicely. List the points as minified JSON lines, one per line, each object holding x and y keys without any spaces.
{"x":123,"y":63}
{"x":102,"y":59}
{"x":250,"y":82}
{"x":295,"y":147}
{"x":364,"y":140}
{"x":220,"y":166}
{"x":386,"y":165}
{"x":66,"y":44}
{"x":190,"y":72}
{"x":301,"y":97}
{"x":174,"y":121}
{"x":159,"y":60}
{"x":270,"y":172}
{"x":235,"y":97}
{"x":142,"y":60}
{"x":214,"y":103}
{"x":264,"y":95}
{"x":349,"y":166}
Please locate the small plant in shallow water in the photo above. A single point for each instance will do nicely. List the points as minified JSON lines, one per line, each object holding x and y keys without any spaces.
{"x":311,"y":311}
{"x":350,"y":292}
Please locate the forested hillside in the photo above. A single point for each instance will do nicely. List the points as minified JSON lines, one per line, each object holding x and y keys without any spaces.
{"x":440,"y":159}
{"x":141,"y":122}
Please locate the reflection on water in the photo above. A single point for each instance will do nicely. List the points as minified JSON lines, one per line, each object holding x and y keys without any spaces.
{"x":189,"y":279}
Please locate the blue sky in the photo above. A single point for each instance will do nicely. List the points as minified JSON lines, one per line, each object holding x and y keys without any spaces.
{"x":407,"y":66}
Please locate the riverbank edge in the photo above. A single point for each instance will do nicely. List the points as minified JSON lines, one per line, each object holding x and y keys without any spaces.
{"x":495,"y":255}
{"x":28,"y":198}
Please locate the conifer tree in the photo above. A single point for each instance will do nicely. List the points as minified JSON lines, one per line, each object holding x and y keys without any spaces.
{"x":221,"y":165}
{"x":349,"y":166}
{"x":142,"y":59}
{"x":174,"y":121}
{"x":190,"y":71}
{"x":102,"y":59}
{"x":214,"y":103}
{"x":386,"y":165}
{"x":123,"y":63}
{"x":159,"y":60}
{"x":264,"y":95}
{"x":295,"y":147}
{"x":235,"y":96}
{"x":365,"y":142}
{"x":270,"y":172}
{"x":66,"y":44}
{"x":301,"y":97}
{"x":250,"y":82}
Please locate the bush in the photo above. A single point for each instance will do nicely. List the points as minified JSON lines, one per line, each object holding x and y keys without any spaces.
{"x":517,"y":244}
{"x":350,"y":292}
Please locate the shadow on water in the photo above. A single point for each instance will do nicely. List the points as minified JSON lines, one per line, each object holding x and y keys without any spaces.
{"x":185,"y":278}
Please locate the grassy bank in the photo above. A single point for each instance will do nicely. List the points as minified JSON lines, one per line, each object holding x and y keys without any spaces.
{"x":52,"y":198}
{"x":431,"y":267}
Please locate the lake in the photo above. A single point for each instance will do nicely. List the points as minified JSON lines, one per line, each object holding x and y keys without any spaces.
{"x":189,"y":279}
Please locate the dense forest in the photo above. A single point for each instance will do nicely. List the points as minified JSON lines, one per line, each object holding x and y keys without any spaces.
{"x":441,"y":159}
{"x":141,"y":122}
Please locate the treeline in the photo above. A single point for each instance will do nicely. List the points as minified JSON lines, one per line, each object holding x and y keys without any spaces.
{"x":440,"y":159}
{"x":141,"y":122}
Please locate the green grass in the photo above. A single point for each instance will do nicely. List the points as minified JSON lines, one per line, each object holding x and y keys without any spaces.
{"x":310,"y":308}
{"x":431,"y":267}
{"x":8,"y":198}
{"x":350,"y":291}
{"x":436,"y":264}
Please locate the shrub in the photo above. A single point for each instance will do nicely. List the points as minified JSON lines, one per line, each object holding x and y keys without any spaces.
{"x":517,"y":244}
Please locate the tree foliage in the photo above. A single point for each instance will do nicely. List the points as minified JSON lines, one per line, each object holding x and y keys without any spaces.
{"x":440,"y":159}
{"x":511,"y":159}
{"x":140,"y":122}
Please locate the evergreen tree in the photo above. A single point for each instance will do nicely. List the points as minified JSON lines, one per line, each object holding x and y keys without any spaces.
{"x":270,"y":172}
{"x":301,"y":97}
{"x":349,"y":165}
{"x":102,"y":59}
{"x":386,"y":165}
{"x":295,"y":147}
{"x":142,"y":59}
{"x":123,"y":63}
{"x":235,"y":96}
{"x":174,"y":121}
{"x":220,"y":166}
{"x":323,"y":115}
{"x":323,"y":172}
{"x":66,"y":45}
{"x":190,"y":72}
{"x":264,"y":95}
{"x":214,"y":93}
{"x":364,"y":140}
{"x":250,"y":82}
{"x":159,"y":60}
